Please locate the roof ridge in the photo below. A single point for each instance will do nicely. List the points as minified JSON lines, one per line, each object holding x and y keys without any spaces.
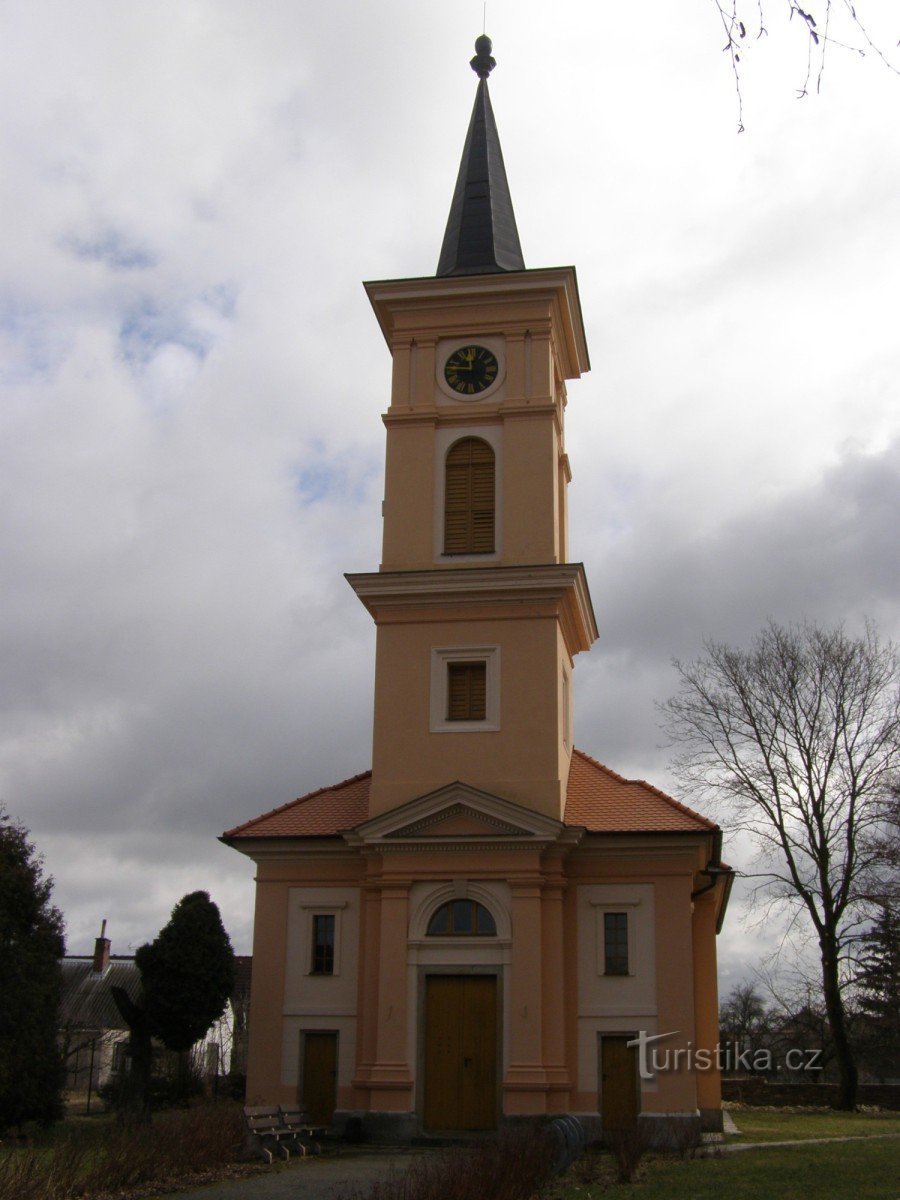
{"x":273,"y":812}
{"x":650,"y":787}
{"x":602,"y":766}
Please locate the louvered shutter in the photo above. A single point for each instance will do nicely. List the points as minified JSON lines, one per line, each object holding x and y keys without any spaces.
{"x":469,"y":498}
{"x":466,"y":691}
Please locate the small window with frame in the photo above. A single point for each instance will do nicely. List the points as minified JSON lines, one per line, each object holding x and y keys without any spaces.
{"x":465,"y":689}
{"x":322,"y":958}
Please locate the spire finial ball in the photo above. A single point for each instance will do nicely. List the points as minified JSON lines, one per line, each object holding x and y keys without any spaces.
{"x":482,"y":64}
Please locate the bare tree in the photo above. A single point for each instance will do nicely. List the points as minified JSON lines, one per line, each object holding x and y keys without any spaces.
{"x":744,"y":1021}
{"x":822,"y":25}
{"x":799,"y":737}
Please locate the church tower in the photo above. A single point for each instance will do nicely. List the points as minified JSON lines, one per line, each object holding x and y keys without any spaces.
{"x":478,"y":611}
{"x":476,"y":930}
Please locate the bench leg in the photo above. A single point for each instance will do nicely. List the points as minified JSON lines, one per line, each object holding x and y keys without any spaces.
{"x":254,"y":1148}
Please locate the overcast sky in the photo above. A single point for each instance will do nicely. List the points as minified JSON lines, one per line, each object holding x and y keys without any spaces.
{"x":192,"y":382}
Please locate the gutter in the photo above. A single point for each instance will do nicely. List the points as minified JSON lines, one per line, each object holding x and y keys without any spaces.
{"x":715,"y":869}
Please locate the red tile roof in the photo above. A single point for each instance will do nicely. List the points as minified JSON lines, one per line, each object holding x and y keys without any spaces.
{"x":324,"y":813}
{"x":596,"y":798}
{"x":604,"y":802}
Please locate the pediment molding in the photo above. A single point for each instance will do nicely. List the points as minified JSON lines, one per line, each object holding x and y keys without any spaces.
{"x":460,"y":820}
{"x":459,"y":816}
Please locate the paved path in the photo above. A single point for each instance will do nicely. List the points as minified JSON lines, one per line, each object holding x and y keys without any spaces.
{"x":304,"y":1179}
{"x":870,"y":1137}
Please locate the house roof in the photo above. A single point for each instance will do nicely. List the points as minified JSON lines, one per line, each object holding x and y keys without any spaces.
{"x":87,"y":1001}
{"x":604,"y":802}
{"x":597,"y":799}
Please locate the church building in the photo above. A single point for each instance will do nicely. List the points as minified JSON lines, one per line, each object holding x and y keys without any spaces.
{"x":489,"y":924}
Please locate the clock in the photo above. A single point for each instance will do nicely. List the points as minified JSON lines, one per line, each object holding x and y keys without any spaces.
{"x":471,"y":369}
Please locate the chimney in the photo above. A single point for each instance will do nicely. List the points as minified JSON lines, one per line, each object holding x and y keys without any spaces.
{"x":101,"y":951}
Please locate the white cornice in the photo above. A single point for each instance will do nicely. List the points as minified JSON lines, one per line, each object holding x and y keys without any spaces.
{"x":564,"y":584}
{"x":390,"y":296}
{"x":285,"y":848}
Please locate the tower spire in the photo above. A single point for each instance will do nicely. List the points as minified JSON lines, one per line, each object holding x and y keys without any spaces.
{"x":481,"y":235}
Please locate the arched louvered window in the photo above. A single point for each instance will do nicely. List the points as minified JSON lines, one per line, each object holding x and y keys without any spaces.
{"x":469,"y":498}
{"x":462,"y":918}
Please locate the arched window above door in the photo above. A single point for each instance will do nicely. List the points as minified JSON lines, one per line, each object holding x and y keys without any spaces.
{"x":462,"y":918}
{"x":469,"y":498}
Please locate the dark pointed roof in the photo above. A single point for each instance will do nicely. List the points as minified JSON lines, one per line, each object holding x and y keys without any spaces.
{"x":481,"y":236}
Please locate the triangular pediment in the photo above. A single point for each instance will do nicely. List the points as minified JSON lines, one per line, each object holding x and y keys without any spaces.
{"x":458,"y":814}
{"x":460,"y":820}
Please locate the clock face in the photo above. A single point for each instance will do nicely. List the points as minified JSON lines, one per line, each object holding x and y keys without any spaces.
{"x":471,"y":369}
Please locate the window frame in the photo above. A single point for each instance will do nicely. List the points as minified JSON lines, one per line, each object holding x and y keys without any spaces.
{"x":630,"y":909}
{"x":445,"y":438}
{"x":566,"y":707}
{"x":322,"y":910}
{"x":442,"y":657}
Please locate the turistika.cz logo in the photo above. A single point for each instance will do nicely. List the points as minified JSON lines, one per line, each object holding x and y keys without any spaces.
{"x":727,"y":1056}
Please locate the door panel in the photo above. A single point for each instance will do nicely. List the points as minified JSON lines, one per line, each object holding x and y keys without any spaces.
{"x":319,"y":1087}
{"x":619,"y":1095}
{"x":460,"y":1052}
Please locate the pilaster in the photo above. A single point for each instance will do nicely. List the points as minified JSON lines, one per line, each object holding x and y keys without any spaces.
{"x":390,"y":1078}
{"x":525,"y":1084}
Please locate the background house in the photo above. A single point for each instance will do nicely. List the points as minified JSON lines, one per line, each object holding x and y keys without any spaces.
{"x":93,"y":1035}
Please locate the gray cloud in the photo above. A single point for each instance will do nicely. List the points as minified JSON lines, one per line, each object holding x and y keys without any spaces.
{"x":190,"y":443}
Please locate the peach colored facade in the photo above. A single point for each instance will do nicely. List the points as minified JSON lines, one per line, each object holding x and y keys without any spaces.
{"x":547,"y":884}
{"x":602,"y":895}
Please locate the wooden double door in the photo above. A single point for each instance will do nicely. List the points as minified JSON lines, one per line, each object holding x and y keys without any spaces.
{"x":460,"y":1052}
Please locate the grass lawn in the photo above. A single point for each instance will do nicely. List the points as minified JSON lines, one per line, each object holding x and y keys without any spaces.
{"x":763,"y":1126}
{"x":851,"y":1170}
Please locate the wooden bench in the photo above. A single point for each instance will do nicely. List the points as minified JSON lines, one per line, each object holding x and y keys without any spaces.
{"x":271,"y":1128}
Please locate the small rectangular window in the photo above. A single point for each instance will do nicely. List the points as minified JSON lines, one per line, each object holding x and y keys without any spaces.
{"x":615,"y":943}
{"x":119,"y":1058}
{"x":323,"y":944}
{"x":466,"y":691}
